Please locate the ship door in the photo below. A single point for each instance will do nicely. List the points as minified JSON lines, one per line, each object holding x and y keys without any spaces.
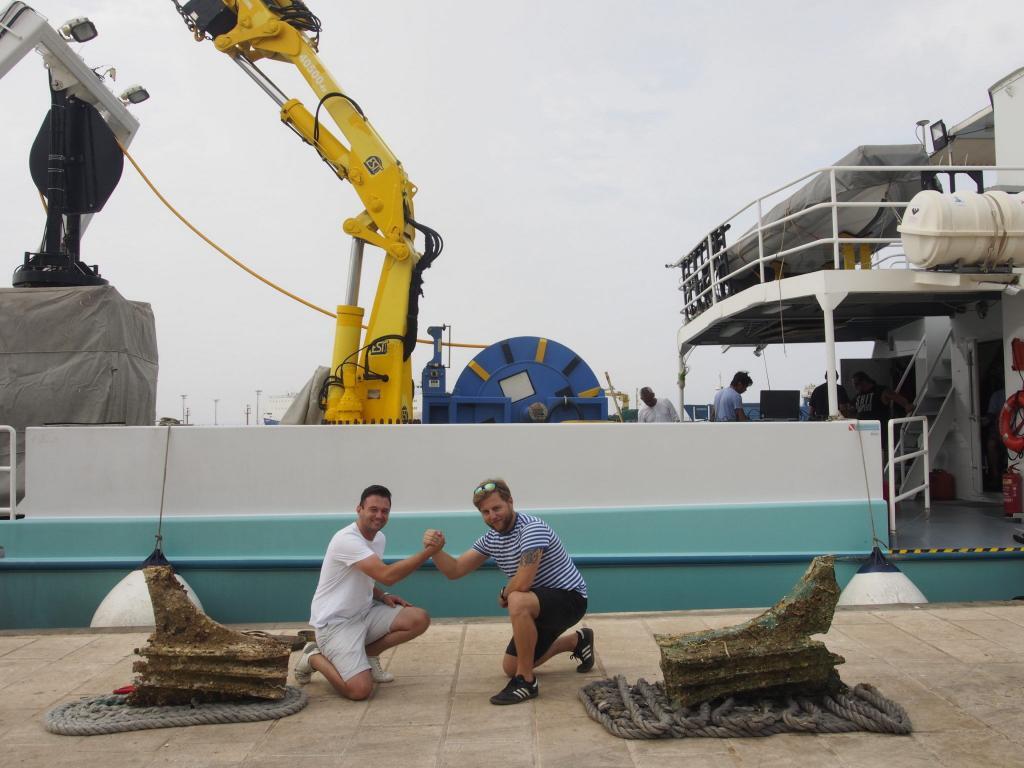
{"x":991,"y":396}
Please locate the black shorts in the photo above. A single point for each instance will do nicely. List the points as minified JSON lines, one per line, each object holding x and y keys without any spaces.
{"x":559,"y":610}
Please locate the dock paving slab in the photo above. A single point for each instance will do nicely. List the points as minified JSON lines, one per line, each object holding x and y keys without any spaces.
{"x":958,"y":669}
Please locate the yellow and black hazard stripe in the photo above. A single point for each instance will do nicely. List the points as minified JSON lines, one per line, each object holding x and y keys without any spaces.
{"x":955,"y":550}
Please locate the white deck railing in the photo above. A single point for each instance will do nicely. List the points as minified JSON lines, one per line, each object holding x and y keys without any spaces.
{"x":707,"y":270}
{"x":896,"y":458}
{"x":12,"y":473}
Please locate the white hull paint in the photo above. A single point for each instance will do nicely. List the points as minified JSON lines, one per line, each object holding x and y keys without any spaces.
{"x":111,"y":471}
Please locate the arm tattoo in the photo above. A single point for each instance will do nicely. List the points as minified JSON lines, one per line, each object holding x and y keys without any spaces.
{"x":531,"y":556}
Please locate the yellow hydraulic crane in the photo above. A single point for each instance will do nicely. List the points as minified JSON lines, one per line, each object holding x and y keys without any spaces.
{"x":621,"y":399}
{"x":371,"y":378}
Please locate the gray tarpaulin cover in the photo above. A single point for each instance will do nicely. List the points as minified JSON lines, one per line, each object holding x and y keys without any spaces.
{"x":895,"y":186}
{"x":305,"y":408}
{"x":74,"y":356}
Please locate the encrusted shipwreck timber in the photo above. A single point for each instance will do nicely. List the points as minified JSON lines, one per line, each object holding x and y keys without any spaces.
{"x":193,"y":672}
{"x":758,"y":678}
{"x":771,"y":654}
{"x":191,"y":658}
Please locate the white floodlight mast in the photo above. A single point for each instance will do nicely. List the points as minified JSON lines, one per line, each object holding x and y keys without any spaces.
{"x":23,"y":30}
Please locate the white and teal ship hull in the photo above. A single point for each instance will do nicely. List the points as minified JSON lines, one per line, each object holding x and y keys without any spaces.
{"x":658,"y":517}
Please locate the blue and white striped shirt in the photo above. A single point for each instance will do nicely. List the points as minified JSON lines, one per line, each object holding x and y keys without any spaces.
{"x":557,"y":570}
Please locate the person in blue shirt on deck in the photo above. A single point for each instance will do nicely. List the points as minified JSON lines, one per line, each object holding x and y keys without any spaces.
{"x":545,"y":594}
{"x":729,"y":400}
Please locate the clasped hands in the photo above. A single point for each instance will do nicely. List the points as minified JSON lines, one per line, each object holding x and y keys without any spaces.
{"x":433,"y":541}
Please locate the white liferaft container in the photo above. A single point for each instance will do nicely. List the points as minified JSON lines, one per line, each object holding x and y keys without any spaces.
{"x":964,"y":228}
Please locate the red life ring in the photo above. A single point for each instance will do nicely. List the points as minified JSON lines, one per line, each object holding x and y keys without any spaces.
{"x":1012,"y":439}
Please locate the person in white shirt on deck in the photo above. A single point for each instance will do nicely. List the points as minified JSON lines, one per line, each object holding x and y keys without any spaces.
{"x":656,"y":409}
{"x":355,"y":620}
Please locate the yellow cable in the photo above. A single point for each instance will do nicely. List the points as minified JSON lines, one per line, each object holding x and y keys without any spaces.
{"x":216,"y":247}
{"x":252,"y":272}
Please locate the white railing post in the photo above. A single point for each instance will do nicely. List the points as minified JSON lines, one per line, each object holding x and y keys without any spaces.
{"x":711,"y":273}
{"x":760,"y":239}
{"x":895,"y":459}
{"x":927,"y":468}
{"x":835,"y":218}
{"x":12,"y":472}
{"x":890,"y":479}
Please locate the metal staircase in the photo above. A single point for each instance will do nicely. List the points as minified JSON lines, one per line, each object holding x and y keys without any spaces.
{"x":935,"y":399}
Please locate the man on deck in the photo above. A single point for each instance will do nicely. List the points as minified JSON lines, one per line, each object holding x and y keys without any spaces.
{"x":545,"y":594}
{"x":729,"y":400}
{"x":355,"y":620}
{"x":873,"y":401}
{"x":655,"y":408}
{"x":818,"y":404}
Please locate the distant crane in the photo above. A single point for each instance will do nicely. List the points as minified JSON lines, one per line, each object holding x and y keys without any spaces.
{"x":621,"y":399}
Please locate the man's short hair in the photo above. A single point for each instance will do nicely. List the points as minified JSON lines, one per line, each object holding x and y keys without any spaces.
{"x":861,"y":376}
{"x":374,"y":490}
{"x":646,"y":389}
{"x":489,"y":486}
{"x":741,"y":377}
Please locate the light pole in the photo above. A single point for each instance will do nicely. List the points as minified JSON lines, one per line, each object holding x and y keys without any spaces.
{"x":248,"y":410}
{"x":184,"y":413}
{"x":215,"y":401}
{"x":258,"y":417}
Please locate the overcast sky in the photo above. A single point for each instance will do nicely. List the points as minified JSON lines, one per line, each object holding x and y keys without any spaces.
{"x":565,"y":150}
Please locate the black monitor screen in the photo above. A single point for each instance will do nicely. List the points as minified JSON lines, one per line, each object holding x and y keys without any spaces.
{"x":780,"y":404}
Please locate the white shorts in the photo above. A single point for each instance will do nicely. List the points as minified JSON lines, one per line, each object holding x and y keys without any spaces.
{"x":344,"y":644}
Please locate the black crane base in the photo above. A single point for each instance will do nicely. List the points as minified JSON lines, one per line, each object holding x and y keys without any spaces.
{"x":67,"y":275}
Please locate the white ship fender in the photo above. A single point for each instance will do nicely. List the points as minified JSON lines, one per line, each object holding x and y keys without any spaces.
{"x":128,"y":604}
{"x":879,"y":582}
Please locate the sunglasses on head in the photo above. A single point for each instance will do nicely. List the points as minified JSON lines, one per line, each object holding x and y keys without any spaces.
{"x":485,"y":488}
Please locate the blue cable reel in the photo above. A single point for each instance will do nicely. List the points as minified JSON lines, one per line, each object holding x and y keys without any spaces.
{"x":525,"y":379}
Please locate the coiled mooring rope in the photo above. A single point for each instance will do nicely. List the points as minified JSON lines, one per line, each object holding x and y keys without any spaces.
{"x":112,"y":714}
{"x":643,"y":711}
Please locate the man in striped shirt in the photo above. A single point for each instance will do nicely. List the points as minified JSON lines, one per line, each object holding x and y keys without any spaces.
{"x":545,"y":593}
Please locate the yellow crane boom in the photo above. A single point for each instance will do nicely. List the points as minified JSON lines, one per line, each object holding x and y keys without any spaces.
{"x":371,"y":378}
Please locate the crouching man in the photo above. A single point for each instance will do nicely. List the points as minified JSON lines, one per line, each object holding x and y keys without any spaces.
{"x":545,"y":593}
{"x":355,"y":620}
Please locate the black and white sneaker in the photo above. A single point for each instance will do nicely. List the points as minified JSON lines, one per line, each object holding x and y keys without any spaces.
{"x":584,"y":652}
{"x":516,"y":691}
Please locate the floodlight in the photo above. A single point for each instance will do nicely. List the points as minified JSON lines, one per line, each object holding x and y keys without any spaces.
{"x":136,"y":94}
{"x":940,"y":138}
{"x":81,"y":30}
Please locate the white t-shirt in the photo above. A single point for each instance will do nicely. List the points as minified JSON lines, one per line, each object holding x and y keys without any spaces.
{"x":662,"y":410}
{"x":344,"y":591}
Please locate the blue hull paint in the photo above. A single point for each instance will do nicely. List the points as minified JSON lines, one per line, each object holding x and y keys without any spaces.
{"x":265,"y":568}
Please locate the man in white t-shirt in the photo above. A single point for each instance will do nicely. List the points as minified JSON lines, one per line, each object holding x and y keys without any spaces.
{"x":355,"y":620}
{"x":656,"y":409}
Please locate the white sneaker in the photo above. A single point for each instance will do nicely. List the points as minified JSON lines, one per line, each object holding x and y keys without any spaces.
{"x":377,"y":671}
{"x":303,"y":672}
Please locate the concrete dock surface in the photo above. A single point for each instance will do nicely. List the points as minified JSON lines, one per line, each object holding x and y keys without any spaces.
{"x":957,"y":668}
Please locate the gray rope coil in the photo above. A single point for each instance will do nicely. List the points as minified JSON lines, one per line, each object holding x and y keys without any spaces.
{"x":644,"y":711}
{"x":112,"y":714}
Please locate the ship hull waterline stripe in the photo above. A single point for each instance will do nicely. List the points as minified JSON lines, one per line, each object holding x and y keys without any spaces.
{"x":583,"y":561}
